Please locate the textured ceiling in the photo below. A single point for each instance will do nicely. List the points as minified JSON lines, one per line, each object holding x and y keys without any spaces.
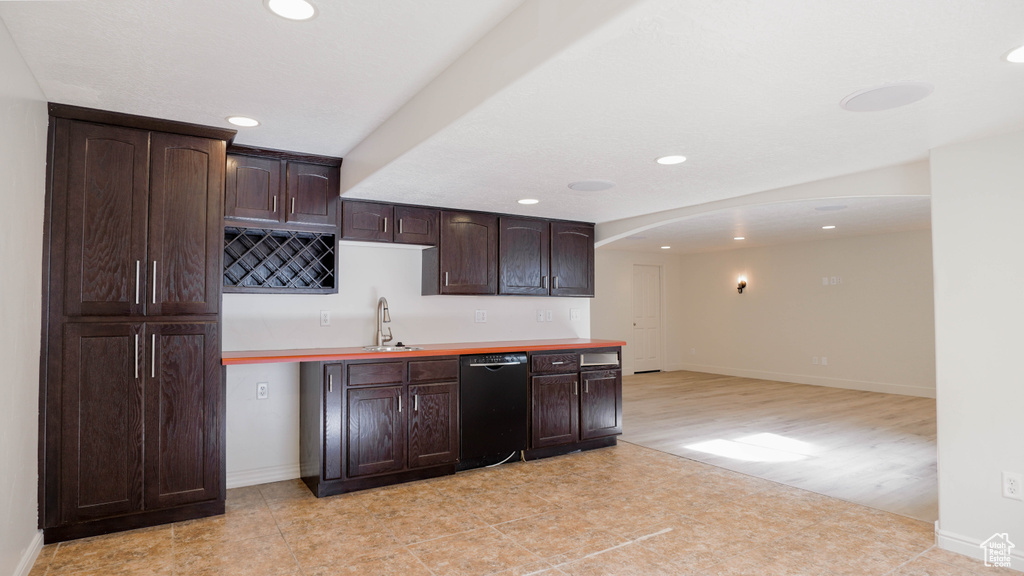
{"x":749,"y":90}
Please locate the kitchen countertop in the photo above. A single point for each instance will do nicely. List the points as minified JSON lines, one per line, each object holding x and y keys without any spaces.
{"x":357,"y":353}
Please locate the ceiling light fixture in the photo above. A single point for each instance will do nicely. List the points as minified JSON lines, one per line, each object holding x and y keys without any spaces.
{"x":887,"y":97}
{"x":243,"y":121}
{"x":1016,"y":56}
{"x":591,"y":185}
{"x":529,"y":201}
{"x":665,"y":247}
{"x":670,"y":160}
{"x":741,"y":284}
{"x":828,"y":227}
{"x":740,"y":238}
{"x":292,"y":9}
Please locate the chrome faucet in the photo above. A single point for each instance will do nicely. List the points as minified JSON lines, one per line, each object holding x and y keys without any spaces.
{"x":383,"y":317}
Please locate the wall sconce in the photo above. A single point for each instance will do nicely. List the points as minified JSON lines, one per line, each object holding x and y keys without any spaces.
{"x":742,"y":284}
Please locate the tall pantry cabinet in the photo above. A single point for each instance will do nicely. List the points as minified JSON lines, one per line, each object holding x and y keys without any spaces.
{"x":131,"y":407}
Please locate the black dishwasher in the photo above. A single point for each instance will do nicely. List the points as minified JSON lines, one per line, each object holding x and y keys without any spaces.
{"x":493,"y":408}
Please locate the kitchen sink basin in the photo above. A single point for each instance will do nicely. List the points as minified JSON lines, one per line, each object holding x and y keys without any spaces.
{"x":391,"y":348}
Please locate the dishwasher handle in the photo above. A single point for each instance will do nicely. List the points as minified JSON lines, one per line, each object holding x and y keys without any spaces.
{"x":487,"y":365}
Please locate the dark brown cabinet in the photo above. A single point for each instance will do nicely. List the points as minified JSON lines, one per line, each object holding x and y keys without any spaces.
{"x":572,"y":259}
{"x":282,"y":187}
{"x":367,"y":221}
{"x":372,"y":423}
{"x":600,"y":403}
{"x":466,"y":259}
{"x":572,"y":402}
{"x":524,"y":246}
{"x":554,"y":408}
{"x":132,"y":411}
{"x":416,"y":225}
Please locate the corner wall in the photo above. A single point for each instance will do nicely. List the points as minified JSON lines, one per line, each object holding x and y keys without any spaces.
{"x":875,"y":329}
{"x":22,"y":186}
{"x":977,"y":203}
{"x":263,"y":435}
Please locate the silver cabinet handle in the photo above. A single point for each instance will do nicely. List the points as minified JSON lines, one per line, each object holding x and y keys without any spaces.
{"x":557,"y":363}
{"x":330,"y":382}
{"x":152,"y":369}
{"x":445,"y":278}
{"x":416,"y":403}
{"x":385,"y":224}
{"x":400,"y":225}
{"x":576,"y":387}
{"x":399,"y":403}
{"x":275,"y":204}
{"x":138,"y":267}
{"x":554,"y":281}
{"x":543,"y":281}
{"x":293,"y":204}
{"x":154,"y":281}
{"x":586,"y":386}
{"x":136,"y":356}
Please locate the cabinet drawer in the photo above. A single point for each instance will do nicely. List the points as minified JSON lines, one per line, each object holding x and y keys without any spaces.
{"x":375,"y":373}
{"x":554,"y":363}
{"x":433,"y":370}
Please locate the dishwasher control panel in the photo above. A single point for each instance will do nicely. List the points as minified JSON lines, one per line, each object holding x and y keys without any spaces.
{"x":495,"y":359}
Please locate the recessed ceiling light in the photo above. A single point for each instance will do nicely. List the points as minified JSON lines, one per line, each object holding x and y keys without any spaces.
{"x":591,"y":185}
{"x":828,"y":227}
{"x":529,"y":201}
{"x":740,"y":238}
{"x":831,"y":208}
{"x":670,"y":160}
{"x":243,"y":121}
{"x":292,"y":9}
{"x":665,"y":247}
{"x":886,"y":97}
{"x":1016,"y":55}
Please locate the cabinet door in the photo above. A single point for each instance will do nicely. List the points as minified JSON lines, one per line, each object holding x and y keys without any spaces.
{"x":333,"y":422}
{"x":101,"y":421}
{"x":468,"y":253}
{"x":433,"y":424}
{"x":554,"y":410}
{"x":183,"y":413}
{"x":523,"y":257}
{"x":186,"y":236}
{"x":313,"y":194}
{"x":367,"y":221}
{"x":376,"y":430}
{"x":106,"y":201}
{"x":572,"y":259}
{"x":600,"y":404}
{"x":253,"y":188}
{"x":416,"y":225}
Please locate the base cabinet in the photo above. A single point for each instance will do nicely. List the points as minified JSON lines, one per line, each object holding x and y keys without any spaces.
{"x":554,"y":400}
{"x":376,"y":435}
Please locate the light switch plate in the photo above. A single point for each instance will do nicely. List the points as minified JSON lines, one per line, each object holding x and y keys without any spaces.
{"x":574,"y":314}
{"x":540,"y":315}
{"x":549,"y":316}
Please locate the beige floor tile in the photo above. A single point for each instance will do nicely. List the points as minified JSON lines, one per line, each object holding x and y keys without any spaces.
{"x":479,"y":552}
{"x":246,"y":498}
{"x":286,"y":490}
{"x":392,"y":562}
{"x":559,"y":536}
{"x":500,"y":505}
{"x":419,"y":525}
{"x":150,"y":546}
{"x":342,"y":543}
{"x":693,"y":545}
{"x":238,"y":524}
{"x":302,"y":515}
{"x":625,"y":514}
{"x":628,"y":560}
{"x":531,"y":569}
{"x":264,"y":556}
{"x":926,"y":567}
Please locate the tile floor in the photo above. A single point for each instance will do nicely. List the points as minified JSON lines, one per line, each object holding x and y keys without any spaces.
{"x":618,"y":511}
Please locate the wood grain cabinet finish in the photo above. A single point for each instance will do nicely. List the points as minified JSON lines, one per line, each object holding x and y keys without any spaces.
{"x":278,"y":187}
{"x":572,"y":259}
{"x":433,"y":424}
{"x":417,"y":225}
{"x":253,"y":188}
{"x":600,"y":403}
{"x":367,"y":221}
{"x":376,"y":430}
{"x":313,"y":194}
{"x":524,"y":246}
{"x":333,"y":424}
{"x":466,"y":259}
{"x":555,"y":410}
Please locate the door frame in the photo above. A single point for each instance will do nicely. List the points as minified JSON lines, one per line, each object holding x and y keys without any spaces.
{"x":661,"y":311}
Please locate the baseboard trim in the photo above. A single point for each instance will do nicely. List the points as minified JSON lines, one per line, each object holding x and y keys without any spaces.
{"x":972,"y":548}
{"x":884,"y":387}
{"x":256,"y":476}
{"x":28,"y":559}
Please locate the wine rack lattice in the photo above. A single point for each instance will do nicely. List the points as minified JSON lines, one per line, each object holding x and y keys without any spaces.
{"x":263,"y":260}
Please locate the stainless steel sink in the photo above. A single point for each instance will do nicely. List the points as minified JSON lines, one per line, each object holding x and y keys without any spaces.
{"x":391,"y":348}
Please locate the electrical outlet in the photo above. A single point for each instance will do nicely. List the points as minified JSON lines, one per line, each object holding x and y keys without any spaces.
{"x":481,"y":316}
{"x":262,"y":391}
{"x":824,"y":280}
{"x":574,"y":314}
{"x":824,"y":360}
{"x":549,"y":316}
{"x":832,"y":281}
{"x":540,"y":315}
{"x":325,"y":317}
{"x":814,"y":359}
{"x":1012,"y":486}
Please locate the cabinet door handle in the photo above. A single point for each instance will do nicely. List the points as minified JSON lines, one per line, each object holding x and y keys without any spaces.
{"x":136,"y":356}
{"x":445,"y":278}
{"x":275,"y":204}
{"x":576,"y":387}
{"x":330,"y":383}
{"x":154,"y":281}
{"x":586,"y":386}
{"x":416,"y":403}
{"x":138,"y":268}
{"x":543,"y":281}
{"x":399,"y":403}
{"x":152,"y":369}
{"x":293,"y":204}
{"x":400,"y":225}
{"x":554,"y":282}
{"x":385,"y":224}
{"x":557,"y":363}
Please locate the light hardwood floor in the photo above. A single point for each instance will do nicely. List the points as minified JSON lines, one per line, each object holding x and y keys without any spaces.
{"x":863,"y":447}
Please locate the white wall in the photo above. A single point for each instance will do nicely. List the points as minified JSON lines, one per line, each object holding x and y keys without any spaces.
{"x":875,"y":329}
{"x":262,"y":435}
{"x":977,"y":203}
{"x":22,"y":171}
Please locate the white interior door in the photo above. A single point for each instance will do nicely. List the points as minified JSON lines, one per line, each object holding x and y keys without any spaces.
{"x":646,"y":344}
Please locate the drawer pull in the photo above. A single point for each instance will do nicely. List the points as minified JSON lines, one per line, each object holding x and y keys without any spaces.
{"x":400,"y":225}
{"x":558,"y":363}
{"x":330,"y":383}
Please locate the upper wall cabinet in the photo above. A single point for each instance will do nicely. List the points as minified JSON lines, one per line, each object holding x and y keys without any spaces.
{"x":523,"y":256}
{"x":376,"y":222}
{"x":282,"y":188}
{"x":572,"y":259}
{"x":466,"y":259}
{"x":143,"y":220}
